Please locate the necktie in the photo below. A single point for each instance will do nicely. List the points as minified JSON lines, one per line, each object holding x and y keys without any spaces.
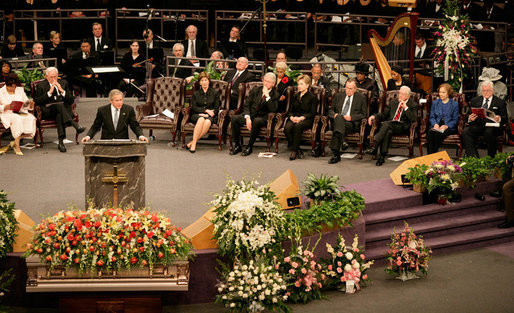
{"x":235,"y":78}
{"x":97,"y":44}
{"x":418,"y":56}
{"x":346,"y":107}
{"x":398,"y":113}
{"x":193,"y":52}
{"x":116,"y":118}
{"x":486,"y":104}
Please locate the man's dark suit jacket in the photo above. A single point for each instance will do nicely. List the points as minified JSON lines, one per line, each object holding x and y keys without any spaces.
{"x":233,"y":50}
{"x":245,"y":77}
{"x":324,"y":82}
{"x":182,"y":72}
{"x":358,"y":110}
{"x":255,"y":108}
{"x":371,"y":85}
{"x":497,"y":105}
{"x":202,"y":51}
{"x":104,"y":122}
{"x":105,"y":44}
{"x":408,"y":116}
{"x":43,"y":99}
{"x":78,"y":65}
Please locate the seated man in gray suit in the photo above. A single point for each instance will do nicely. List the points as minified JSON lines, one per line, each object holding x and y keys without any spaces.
{"x":347,"y":111}
{"x":114,"y":119}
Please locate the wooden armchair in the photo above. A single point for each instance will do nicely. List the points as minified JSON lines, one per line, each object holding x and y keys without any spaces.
{"x":398,"y":140}
{"x":266,"y":132}
{"x":216,"y":129}
{"x":42,"y":124}
{"x":162,"y":93}
{"x":355,"y":137}
{"x":455,"y":139}
{"x":308,"y":134}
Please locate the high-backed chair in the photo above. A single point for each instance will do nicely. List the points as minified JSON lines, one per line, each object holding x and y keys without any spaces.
{"x":398,"y":140}
{"x":42,"y":124}
{"x":266,"y":131}
{"x":223,"y":88}
{"x":162,"y":93}
{"x":355,"y":137}
{"x":308,"y":134}
{"x":455,"y":139}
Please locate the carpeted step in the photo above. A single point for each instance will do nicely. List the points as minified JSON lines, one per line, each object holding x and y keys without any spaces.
{"x":437,"y":228}
{"x":457,"y":242}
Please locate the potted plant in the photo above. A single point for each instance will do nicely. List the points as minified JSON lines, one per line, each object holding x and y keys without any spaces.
{"x":322,"y":189}
{"x":407,"y":255}
{"x":8,"y":225}
{"x":418,"y":177}
{"x":475,"y":170}
{"x":28,"y":76}
{"x":442,"y":180}
{"x":211,"y":70}
{"x":500,"y":166}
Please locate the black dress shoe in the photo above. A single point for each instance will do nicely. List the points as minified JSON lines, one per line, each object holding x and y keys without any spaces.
{"x":495,"y":194}
{"x":236,"y":150}
{"x":80,"y":129}
{"x":293,"y":156}
{"x":247,"y":151}
{"x":372,"y":151}
{"x":192,"y":151}
{"x":380,"y":161}
{"x":345,"y":146}
{"x":334,"y":159}
{"x":61,"y":147}
{"x":300,"y":154}
{"x":506,"y":224}
{"x":479,"y":197}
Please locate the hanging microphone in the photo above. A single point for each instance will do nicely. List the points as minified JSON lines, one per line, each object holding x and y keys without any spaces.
{"x":150,"y":14}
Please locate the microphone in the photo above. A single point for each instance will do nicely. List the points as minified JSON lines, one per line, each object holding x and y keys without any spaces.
{"x":150,"y":14}
{"x":160,"y":38}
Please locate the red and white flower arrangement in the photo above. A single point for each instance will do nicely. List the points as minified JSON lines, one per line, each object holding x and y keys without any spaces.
{"x":347,"y":267}
{"x":407,"y":254}
{"x":108,"y":238}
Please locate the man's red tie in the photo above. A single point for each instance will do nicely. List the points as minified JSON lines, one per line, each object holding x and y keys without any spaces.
{"x":398,"y":113}
{"x":235,"y":78}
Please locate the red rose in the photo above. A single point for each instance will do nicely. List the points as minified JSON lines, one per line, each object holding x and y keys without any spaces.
{"x":123,"y":243}
{"x":100,"y":263}
{"x":142,"y":249}
{"x":68,"y":250}
{"x":150,"y":234}
{"x":91,"y":248}
{"x":97,"y":224}
{"x":139,"y":240}
{"x":39,"y":250}
{"x":160,"y":255}
{"x":48,"y":258}
{"x":87,"y":224}
{"x":132,"y":234}
{"x":172,"y":251}
{"x":285,"y":80}
{"x":76,"y":260}
{"x":56,"y":245}
{"x":144,"y":262}
{"x":133,"y":260}
{"x":63,"y":257}
{"x":113,"y":259}
{"x":155,"y":219}
{"x":71,"y":237}
{"x":74,"y":242}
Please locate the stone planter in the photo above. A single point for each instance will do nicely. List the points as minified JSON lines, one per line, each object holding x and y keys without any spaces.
{"x":407,"y":276}
{"x":418,"y":188}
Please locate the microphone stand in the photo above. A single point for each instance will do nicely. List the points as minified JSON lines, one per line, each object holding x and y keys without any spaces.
{"x":241,"y":32}
{"x":148,"y":18}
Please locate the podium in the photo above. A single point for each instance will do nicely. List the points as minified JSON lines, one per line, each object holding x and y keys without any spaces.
{"x":115,"y":172}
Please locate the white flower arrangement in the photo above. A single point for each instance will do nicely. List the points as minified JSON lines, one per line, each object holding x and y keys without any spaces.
{"x":8,"y":225}
{"x":248,"y":221}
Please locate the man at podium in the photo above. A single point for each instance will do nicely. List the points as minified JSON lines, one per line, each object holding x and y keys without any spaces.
{"x":114,"y":119}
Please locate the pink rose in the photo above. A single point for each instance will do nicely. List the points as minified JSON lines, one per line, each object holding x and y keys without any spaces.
{"x":304,"y":271}
{"x":365,"y":277}
{"x":362,"y":256}
{"x":339,"y":263}
{"x":339,"y":270}
{"x":287,"y":259}
{"x":330,"y":267}
{"x":340,"y":254}
{"x":292,"y":271}
{"x":297,"y":283}
{"x":294,"y":264}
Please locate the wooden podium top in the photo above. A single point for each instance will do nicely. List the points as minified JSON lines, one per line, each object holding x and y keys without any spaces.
{"x":114,"y":148}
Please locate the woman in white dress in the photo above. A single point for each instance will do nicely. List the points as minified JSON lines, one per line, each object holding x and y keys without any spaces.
{"x":22,"y":123}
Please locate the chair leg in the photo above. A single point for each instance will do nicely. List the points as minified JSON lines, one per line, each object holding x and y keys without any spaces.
{"x":420,"y":149}
{"x":219,"y":142}
{"x":230,"y":142}
{"x":183,"y":135}
{"x":276,"y":144}
{"x":411,"y":152}
{"x":173,"y":136}
{"x":323,"y":144}
{"x":360,"y":150}
{"x":41,"y":137}
{"x":268,"y":144}
{"x":77,"y":138}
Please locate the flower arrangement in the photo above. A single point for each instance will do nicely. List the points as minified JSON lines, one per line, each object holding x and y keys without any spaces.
{"x":8,"y":225}
{"x":475,"y":169}
{"x":107,"y":238}
{"x":443,"y":178}
{"x":292,"y":74}
{"x":248,"y":221}
{"x":407,"y":253}
{"x":322,"y":188}
{"x":253,"y":287}
{"x":417,"y":175}
{"x":303,"y":276}
{"x":454,"y":48}
{"x":347,"y":264}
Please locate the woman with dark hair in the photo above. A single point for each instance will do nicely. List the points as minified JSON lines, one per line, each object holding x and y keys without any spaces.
{"x":300,"y":116}
{"x":56,"y":49}
{"x":12,"y":49}
{"x":397,"y":80}
{"x":21,"y":122}
{"x":134,"y":65}
{"x":205,"y":105}
{"x":5,"y":70}
{"x":444,"y":117}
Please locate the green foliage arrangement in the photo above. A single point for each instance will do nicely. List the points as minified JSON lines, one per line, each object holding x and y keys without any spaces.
{"x":417,"y":175}
{"x":324,"y":188}
{"x":211,"y":70}
{"x":293,"y":74}
{"x":28,"y":76}
{"x":475,"y":170}
{"x":499,"y":164}
{"x":8,"y":225}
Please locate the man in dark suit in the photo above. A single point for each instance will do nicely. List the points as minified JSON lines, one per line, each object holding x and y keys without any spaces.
{"x":260,"y":102}
{"x":422,"y":51}
{"x":397,"y":118}
{"x":347,"y":111}
{"x":233,"y":47}
{"x":177,"y":71}
{"x":99,"y":42}
{"x":155,"y":52}
{"x":114,"y":120}
{"x":194,"y":47}
{"x":55,"y":100}
{"x":319,"y":80}
{"x":77,"y":68}
{"x":237,"y":76}
{"x":477,"y":126}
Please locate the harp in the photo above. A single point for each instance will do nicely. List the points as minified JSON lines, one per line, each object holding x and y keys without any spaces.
{"x":397,"y":45}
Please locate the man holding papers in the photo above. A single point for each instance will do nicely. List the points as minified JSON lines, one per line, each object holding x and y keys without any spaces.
{"x":114,"y":119}
{"x":489,"y":128}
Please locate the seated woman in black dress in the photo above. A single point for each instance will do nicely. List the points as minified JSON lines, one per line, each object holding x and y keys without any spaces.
{"x":397,"y":80}
{"x":283,"y":81}
{"x":205,"y":105}
{"x":133,"y":63}
{"x":444,"y":118}
{"x":300,"y":116}
{"x":5,"y":70}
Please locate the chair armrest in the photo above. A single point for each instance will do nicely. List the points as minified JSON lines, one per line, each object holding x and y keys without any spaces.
{"x":374,"y":127}
{"x":143,"y":110}
{"x":221,"y":117}
{"x":412,"y":133}
{"x":315,"y":126}
{"x":423,"y":128}
{"x":269,"y":124}
{"x":39,"y":114}
{"x":186,"y":112}
{"x":362,"y":131}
